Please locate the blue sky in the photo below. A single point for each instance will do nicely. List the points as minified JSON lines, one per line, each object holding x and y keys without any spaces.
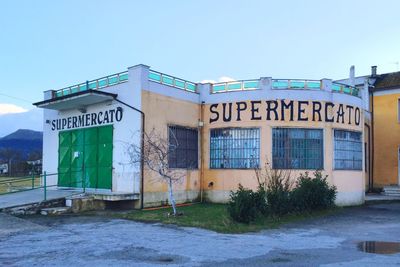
{"x":52,"y":44}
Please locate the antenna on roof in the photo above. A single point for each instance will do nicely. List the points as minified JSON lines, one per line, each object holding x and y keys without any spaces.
{"x":397,"y":65}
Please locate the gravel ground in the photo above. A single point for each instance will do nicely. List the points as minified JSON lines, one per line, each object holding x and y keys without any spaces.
{"x":104,"y":241}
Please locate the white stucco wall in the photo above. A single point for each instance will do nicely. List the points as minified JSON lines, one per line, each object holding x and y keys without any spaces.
{"x":125,"y":176}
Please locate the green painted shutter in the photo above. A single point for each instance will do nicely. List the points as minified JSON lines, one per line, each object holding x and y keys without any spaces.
{"x":105,"y":151}
{"x":64,"y":159}
{"x":91,"y":157}
{"x":77,"y":158}
{"x":85,"y":158}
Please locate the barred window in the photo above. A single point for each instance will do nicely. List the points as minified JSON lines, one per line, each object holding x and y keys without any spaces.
{"x":183,"y":147}
{"x":296,"y":148}
{"x":348,"y":150}
{"x":235,"y":148}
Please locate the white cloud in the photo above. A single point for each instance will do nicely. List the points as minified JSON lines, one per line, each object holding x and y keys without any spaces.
{"x":225,"y":79}
{"x":10,"y":109}
{"x":222,"y":79}
{"x":207,"y":81}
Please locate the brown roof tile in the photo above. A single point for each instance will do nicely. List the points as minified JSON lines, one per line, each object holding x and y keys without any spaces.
{"x":387,"y":81}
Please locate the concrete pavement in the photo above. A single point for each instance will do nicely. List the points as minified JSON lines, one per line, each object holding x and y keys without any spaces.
{"x":104,"y":241}
{"x":32,"y":196}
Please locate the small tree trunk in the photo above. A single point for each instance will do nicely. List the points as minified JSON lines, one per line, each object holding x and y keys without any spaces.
{"x":171,"y":196}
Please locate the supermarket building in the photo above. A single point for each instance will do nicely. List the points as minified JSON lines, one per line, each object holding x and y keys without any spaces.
{"x":224,"y":131}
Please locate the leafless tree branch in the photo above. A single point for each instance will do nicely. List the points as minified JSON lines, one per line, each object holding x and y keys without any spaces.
{"x":156,"y":151}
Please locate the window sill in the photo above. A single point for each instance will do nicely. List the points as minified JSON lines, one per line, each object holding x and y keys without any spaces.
{"x":347,"y":170}
{"x":245,"y":169}
{"x":186,"y":169}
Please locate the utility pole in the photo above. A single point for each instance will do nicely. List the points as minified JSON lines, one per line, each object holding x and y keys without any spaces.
{"x":9,"y":167}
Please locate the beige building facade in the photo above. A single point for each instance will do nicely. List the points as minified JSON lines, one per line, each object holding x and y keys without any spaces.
{"x":224,"y":132}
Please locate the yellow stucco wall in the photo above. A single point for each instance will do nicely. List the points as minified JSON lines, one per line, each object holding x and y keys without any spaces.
{"x":386,"y":140}
{"x":162,"y":111}
{"x":224,"y":180}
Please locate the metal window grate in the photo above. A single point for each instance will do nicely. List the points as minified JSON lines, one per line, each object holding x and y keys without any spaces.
{"x":348,"y":150}
{"x":235,"y":148}
{"x":297,"y":148}
{"x":183,"y":147}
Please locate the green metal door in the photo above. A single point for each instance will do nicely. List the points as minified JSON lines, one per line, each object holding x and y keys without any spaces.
{"x":85,"y":158}
{"x":105,"y":148}
{"x":90,"y":157}
{"x":77,"y":163}
{"x":64,"y":159}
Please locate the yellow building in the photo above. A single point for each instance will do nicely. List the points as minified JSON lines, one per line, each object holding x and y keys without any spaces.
{"x":223,"y":131}
{"x":385,"y":108}
{"x":381,"y":130}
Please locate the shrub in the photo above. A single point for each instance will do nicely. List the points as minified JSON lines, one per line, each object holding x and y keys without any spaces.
{"x":277,"y":184}
{"x":278,"y":187}
{"x":313,"y":193}
{"x":260,"y":201}
{"x":245,"y":205}
{"x":276,"y":195}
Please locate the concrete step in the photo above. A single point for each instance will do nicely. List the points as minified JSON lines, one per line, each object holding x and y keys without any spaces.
{"x":392,"y":187}
{"x":83,"y":202}
{"x":373,"y":198}
{"x":55,"y":211}
{"x":33,"y":208}
{"x":391,"y":190}
{"x":22,"y":210}
{"x":101,"y":200}
{"x":391,"y":194}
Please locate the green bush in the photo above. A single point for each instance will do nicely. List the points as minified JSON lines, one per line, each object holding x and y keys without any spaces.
{"x":245,"y":205}
{"x":277,"y":193}
{"x":278,"y":201}
{"x":260,"y":201}
{"x":313,"y":193}
{"x":276,"y":196}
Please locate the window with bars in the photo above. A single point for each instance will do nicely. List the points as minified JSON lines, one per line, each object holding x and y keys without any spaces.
{"x":183,"y":147}
{"x":234,"y":148}
{"x":348,"y":150}
{"x":297,"y":148}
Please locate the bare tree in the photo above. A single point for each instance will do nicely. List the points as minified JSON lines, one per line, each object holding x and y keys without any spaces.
{"x":270,"y":178}
{"x":154,"y":155}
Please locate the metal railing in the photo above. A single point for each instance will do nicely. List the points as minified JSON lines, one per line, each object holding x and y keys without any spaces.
{"x":346,"y":89}
{"x":282,"y":84}
{"x":17,"y":184}
{"x":96,"y":84}
{"x":242,"y":85}
{"x":169,"y":80}
{"x":26,"y":183}
{"x":296,"y":84}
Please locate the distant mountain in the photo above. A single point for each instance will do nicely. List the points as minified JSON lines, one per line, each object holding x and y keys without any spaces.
{"x":24,"y":134}
{"x":22,"y":141}
{"x":32,"y":119}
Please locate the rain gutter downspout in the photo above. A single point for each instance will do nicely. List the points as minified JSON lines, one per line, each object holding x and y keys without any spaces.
{"x":373,"y":138}
{"x":369,"y":158}
{"x":141,"y":150}
{"x":201,"y":152}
